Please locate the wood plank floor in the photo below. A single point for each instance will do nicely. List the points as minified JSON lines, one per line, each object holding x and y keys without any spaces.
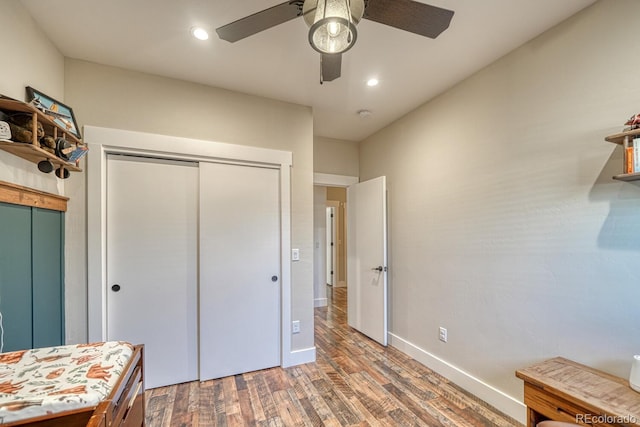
{"x":355,"y":382}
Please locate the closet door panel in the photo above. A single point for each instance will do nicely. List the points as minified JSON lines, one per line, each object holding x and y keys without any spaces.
{"x":48,"y":277}
{"x":152,"y":269}
{"x":15,"y":276}
{"x":239,"y":269}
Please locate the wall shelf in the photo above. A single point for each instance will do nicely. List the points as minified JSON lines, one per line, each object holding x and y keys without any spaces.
{"x":618,"y":138}
{"x":624,"y":139}
{"x":32,"y":151}
{"x":35,"y":154}
{"x":627,"y":176}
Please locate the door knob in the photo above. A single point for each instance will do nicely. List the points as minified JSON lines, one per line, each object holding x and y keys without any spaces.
{"x":379,"y":269}
{"x":115,"y":288}
{"x":274,"y":278}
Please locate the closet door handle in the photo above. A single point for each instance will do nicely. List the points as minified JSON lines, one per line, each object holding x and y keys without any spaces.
{"x":115,"y":288}
{"x":274,"y":278}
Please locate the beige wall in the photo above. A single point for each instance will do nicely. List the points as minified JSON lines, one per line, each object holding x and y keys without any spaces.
{"x":335,"y":156}
{"x":28,"y":57}
{"x":112,"y":97}
{"x":32,"y":60}
{"x":339,"y":194}
{"x":505,"y":225}
{"x":29,"y":60}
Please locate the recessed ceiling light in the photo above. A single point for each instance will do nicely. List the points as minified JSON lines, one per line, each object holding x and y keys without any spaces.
{"x":372,"y":82}
{"x":199,"y":33}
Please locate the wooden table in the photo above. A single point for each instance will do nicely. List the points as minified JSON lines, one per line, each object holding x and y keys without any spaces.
{"x":562,"y":390}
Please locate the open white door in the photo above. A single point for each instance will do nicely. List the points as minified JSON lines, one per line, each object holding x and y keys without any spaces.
{"x":367,"y":258}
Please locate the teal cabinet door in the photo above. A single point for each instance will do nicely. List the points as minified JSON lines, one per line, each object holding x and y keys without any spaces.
{"x":31,"y":277}
{"x":15,"y":276}
{"x":48,"y":277}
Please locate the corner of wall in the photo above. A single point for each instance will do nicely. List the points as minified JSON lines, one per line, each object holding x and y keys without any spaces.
{"x":494,"y":397}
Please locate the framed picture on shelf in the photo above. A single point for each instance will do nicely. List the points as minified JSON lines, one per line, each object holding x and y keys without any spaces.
{"x":61,"y":114}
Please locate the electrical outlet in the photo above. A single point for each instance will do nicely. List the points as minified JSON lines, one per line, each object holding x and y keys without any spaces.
{"x":443,"y":334}
{"x":295,"y":326}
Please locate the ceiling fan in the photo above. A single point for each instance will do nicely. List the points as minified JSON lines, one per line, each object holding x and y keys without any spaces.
{"x":333,"y":24}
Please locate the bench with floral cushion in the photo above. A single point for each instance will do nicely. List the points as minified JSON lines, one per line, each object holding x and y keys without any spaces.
{"x":73,"y":385}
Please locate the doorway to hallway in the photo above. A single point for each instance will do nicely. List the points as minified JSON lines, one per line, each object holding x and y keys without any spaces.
{"x":336,"y":226}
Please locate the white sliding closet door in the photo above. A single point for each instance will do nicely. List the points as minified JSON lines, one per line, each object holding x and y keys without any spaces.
{"x":239,"y":269}
{"x":152,"y":226}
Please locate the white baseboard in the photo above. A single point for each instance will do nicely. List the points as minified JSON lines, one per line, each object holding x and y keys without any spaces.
{"x":300,"y":357}
{"x":320,"y":302}
{"x":503,"y":402}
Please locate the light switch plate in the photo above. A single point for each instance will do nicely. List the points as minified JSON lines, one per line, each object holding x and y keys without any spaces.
{"x":295,"y":254}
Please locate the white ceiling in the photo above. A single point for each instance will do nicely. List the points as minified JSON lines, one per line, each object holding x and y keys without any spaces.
{"x":153,"y":36}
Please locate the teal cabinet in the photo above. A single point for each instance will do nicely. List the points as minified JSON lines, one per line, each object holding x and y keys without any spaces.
{"x":15,"y":276}
{"x":31,"y":276}
{"x":48,"y":277}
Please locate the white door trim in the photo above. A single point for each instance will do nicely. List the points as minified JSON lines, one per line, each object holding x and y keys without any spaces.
{"x":103,"y":141}
{"x":330,"y":180}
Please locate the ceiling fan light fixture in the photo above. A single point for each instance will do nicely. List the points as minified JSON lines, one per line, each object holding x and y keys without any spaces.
{"x":333,"y":27}
{"x":199,"y":33}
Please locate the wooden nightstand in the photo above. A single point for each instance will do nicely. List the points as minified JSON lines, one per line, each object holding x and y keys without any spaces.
{"x":562,"y":390}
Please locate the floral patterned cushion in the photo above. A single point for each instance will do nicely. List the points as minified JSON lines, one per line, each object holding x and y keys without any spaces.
{"x":56,"y":379}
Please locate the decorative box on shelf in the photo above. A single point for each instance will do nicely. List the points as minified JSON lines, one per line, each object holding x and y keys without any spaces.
{"x":35,"y":127}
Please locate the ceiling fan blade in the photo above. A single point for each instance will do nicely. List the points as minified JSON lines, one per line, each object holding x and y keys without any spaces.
{"x":260,"y":21}
{"x":330,"y":65}
{"x":409,"y":15}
